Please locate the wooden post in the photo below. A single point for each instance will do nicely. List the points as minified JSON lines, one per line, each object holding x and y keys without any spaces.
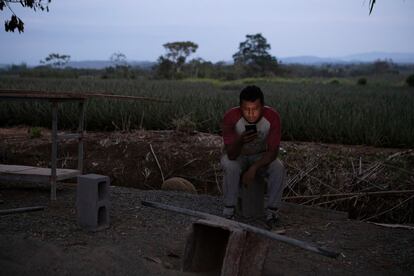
{"x":224,"y":249}
{"x":81,"y":132}
{"x":54,"y":150}
{"x":250,"y":202}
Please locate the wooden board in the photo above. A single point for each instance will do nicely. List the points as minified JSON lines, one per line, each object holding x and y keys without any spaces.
{"x":33,"y":174}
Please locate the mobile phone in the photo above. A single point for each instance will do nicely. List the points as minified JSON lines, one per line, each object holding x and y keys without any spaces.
{"x":251,"y":128}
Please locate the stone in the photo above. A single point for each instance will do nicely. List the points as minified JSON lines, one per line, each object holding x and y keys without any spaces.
{"x":178,"y":184}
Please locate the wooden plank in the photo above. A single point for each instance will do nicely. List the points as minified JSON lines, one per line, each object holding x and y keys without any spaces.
{"x":29,"y":178}
{"x":15,"y":94}
{"x":254,"y":255}
{"x":40,"y":95}
{"x":13,"y":168}
{"x":67,"y":136}
{"x":35,"y":174}
{"x":63,"y":174}
{"x":17,"y":169}
{"x":232,"y":261}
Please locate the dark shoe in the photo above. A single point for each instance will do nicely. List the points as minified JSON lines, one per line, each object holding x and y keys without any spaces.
{"x":272,"y":217}
{"x":228,"y":212}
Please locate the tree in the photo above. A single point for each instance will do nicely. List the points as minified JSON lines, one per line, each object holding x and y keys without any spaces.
{"x":118,"y":59}
{"x":382,"y":66}
{"x":254,"y":56}
{"x":177,"y":53}
{"x":165,"y":68}
{"x":15,"y":22}
{"x":120,"y":66}
{"x":195,"y":66}
{"x":56,"y":60}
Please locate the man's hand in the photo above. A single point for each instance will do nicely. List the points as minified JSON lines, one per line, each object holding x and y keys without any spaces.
{"x":233,"y":150}
{"x":248,"y":136}
{"x":249,"y":176}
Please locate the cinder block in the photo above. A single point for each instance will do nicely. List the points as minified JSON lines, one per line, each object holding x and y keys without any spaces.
{"x":220,"y":249}
{"x":250,"y":202}
{"x":93,"y":201}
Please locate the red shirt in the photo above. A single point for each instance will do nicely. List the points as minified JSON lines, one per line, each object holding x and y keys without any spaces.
{"x":268,"y":130}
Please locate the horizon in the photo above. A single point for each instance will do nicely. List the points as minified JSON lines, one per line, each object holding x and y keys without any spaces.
{"x":339,"y":58}
{"x":318,"y":28}
{"x":348,"y":59}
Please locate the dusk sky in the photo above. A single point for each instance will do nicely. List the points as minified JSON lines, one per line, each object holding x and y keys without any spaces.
{"x":94,"y":29}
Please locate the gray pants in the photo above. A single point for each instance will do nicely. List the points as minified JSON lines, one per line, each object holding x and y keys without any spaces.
{"x":233,"y":169}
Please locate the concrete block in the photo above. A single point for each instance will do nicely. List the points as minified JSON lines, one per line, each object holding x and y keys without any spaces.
{"x":93,"y":201}
{"x":250,"y":202}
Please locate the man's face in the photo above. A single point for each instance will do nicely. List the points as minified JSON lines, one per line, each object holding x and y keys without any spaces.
{"x":251,"y":111}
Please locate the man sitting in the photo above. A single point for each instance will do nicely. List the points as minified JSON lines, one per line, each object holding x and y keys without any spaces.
{"x":251,"y":134}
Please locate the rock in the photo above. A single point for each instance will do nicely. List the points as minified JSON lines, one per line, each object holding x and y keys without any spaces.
{"x":178,"y":184}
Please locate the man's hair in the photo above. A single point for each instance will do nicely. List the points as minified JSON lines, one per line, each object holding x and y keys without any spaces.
{"x":251,"y":93}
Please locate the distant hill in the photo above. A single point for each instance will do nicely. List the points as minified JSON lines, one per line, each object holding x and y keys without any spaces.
{"x":89,"y":64}
{"x":373,"y":56}
{"x":101,"y":64}
{"x":356,"y":58}
{"x":401,"y":58}
{"x":309,"y":60}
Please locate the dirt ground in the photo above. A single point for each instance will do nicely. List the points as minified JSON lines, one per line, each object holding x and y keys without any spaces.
{"x":147,"y":241}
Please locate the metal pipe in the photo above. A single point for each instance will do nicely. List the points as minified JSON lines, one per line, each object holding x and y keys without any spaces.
{"x":21,"y":210}
{"x":268,"y":234}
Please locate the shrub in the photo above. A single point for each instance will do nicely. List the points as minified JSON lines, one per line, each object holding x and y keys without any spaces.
{"x":35,"y":132}
{"x":362,"y":81}
{"x":184,"y":124}
{"x":232,"y":86}
{"x":410,"y":80}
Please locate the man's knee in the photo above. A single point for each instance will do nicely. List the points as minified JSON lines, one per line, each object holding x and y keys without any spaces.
{"x":276,"y":167}
{"x":230,"y":165}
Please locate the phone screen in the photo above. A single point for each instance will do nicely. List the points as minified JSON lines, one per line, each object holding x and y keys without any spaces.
{"x":251,"y":128}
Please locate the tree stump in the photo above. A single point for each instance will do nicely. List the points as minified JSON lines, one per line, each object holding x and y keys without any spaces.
{"x":223,"y":249}
{"x":250,"y":202}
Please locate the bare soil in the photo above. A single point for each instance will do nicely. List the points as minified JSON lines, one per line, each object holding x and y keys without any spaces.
{"x":147,"y":241}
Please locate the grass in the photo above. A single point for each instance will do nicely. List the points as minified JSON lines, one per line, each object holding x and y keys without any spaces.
{"x":319,"y":110}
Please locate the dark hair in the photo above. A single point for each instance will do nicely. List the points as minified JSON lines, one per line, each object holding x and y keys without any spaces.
{"x":251,"y":93}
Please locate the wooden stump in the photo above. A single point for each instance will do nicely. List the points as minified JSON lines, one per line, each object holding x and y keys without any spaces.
{"x":250,"y":202}
{"x":223,"y":249}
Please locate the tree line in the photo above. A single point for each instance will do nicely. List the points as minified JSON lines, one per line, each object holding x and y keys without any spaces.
{"x":252,"y":59}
